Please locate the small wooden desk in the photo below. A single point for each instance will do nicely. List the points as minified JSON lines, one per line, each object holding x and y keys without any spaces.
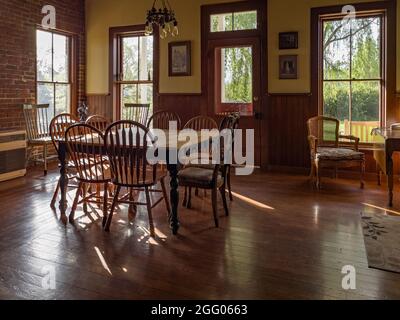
{"x":388,"y":143}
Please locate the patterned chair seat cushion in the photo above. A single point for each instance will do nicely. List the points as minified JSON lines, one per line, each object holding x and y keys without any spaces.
{"x":198,"y":177}
{"x":338,"y":154}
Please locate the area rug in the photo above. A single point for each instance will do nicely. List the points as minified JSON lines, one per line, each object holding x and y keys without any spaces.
{"x":382,"y":241}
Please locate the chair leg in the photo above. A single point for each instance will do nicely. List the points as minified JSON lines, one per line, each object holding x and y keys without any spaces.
{"x":149,"y":212}
{"x":196,"y":193}
{"x":312,"y":172}
{"x":105,"y":204}
{"x":45,"y":158}
{"x":318,"y":175}
{"x":215,"y":207}
{"x":54,"y":200}
{"x":75,"y":204}
{"x":223,"y":195}
{"x":362,"y":173}
{"x":114,"y":204}
{"x":132,"y":207}
{"x":184,"y":203}
{"x":165,"y":195}
{"x":189,"y":200}
{"x":228,"y":180}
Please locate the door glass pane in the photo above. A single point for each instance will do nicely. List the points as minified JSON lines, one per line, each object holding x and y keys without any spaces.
{"x":44,"y":55}
{"x":130,"y":58}
{"x":365,"y":108}
{"x":336,"y":103}
{"x":245,"y":20}
{"x":62,"y":98}
{"x":235,"y":81}
{"x":366,"y":48}
{"x":336,"y":50}
{"x":146,"y":59}
{"x":60,"y":58}
{"x":221,"y":22}
{"x":45,"y":95}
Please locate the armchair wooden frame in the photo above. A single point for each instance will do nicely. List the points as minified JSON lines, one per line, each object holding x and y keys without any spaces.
{"x":316,"y":141}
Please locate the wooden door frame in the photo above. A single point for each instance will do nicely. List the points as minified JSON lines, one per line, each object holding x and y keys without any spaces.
{"x":114,"y":34}
{"x":261,"y":33}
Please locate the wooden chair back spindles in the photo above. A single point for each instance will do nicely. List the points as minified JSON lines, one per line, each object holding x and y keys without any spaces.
{"x":37,"y":122}
{"x":127,"y":143}
{"x":137,"y":112}
{"x":162,"y":119}
{"x":201,"y":123}
{"x":99,"y":122}
{"x":59,"y":126}
{"x":84,"y":143}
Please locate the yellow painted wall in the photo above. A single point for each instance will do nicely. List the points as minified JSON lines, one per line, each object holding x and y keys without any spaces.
{"x":283,"y":15}
{"x":103,"y":14}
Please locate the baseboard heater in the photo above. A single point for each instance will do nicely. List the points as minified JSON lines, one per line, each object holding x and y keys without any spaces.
{"x":12,"y":155}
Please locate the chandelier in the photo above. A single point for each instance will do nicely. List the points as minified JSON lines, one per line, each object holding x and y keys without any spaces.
{"x":164,"y":18}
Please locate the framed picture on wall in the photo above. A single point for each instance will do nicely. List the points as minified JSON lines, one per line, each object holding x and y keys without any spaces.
{"x":288,"y":40}
{"x":288,"y":67}
{"x":180,"y":60}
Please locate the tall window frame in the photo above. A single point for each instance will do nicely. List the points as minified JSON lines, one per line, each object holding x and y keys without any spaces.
{"x":116,"y":34}
{"x":70,"y":73}
{"x":389,"y":11}
{"x":358,"y":128}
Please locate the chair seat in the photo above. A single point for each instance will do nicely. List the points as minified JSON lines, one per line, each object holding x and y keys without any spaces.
{"x":198,"y":177}
{"x":338,"y":154}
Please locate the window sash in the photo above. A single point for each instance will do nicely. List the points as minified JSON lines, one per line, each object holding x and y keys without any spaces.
{"x":68,"y":71}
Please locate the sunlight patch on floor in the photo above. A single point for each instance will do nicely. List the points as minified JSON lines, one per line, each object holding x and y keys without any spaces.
{"x":102,"y":260}
{"x":380,"y":208}
{"x":252,"y":201}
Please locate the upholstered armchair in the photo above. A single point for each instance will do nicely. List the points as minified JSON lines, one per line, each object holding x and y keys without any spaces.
{"x":329,"y":149}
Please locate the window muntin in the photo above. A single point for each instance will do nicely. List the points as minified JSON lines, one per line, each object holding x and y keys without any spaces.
{"x":352,"y":74}
{"x":233,"y":21}
{"x":53,"y":71}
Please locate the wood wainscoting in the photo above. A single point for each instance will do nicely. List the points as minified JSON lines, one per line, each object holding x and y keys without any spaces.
{"x":100,"y":104}
{"x":186,"y":105}
{"x":287,"y":115}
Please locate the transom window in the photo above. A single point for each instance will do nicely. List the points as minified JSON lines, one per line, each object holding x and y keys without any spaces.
{"x":234,"y":21}
{"x":352,"y":74}
{"x":53,"y":72}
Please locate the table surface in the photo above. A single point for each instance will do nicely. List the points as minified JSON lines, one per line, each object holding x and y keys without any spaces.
{"x":387,"y":133}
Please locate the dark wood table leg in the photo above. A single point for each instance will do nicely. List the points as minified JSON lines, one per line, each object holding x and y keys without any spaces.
{"x":389,"y":170}
{"x":173,"y":218}
{"x":63,"y":180}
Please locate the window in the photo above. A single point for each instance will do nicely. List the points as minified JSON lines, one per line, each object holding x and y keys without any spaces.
{"x":136,"y":79}
{"x":234,"y":21}
{"x":234,"y":80}
{"x":352,"y":77}
{"x":53,"y":73}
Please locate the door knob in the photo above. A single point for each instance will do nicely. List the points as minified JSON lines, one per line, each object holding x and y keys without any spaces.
{"x":256,"y":99}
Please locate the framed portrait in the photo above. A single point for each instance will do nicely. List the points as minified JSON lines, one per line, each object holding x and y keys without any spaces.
{"x":180,"y":60}
{"x":288,"y":40}
{"x":288,"y":67}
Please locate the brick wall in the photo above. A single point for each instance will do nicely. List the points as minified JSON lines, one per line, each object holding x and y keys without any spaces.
{"x":18,"y":21}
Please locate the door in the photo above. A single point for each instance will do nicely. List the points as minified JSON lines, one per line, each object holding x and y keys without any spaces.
{"x":235,"y":84}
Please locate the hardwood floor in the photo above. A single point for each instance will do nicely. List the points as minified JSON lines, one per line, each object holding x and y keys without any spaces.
{"x":282,"y":240}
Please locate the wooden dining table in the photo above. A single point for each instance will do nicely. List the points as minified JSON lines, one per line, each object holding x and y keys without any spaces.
{"x":172,"y":146}
{"x":387,"y":142}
